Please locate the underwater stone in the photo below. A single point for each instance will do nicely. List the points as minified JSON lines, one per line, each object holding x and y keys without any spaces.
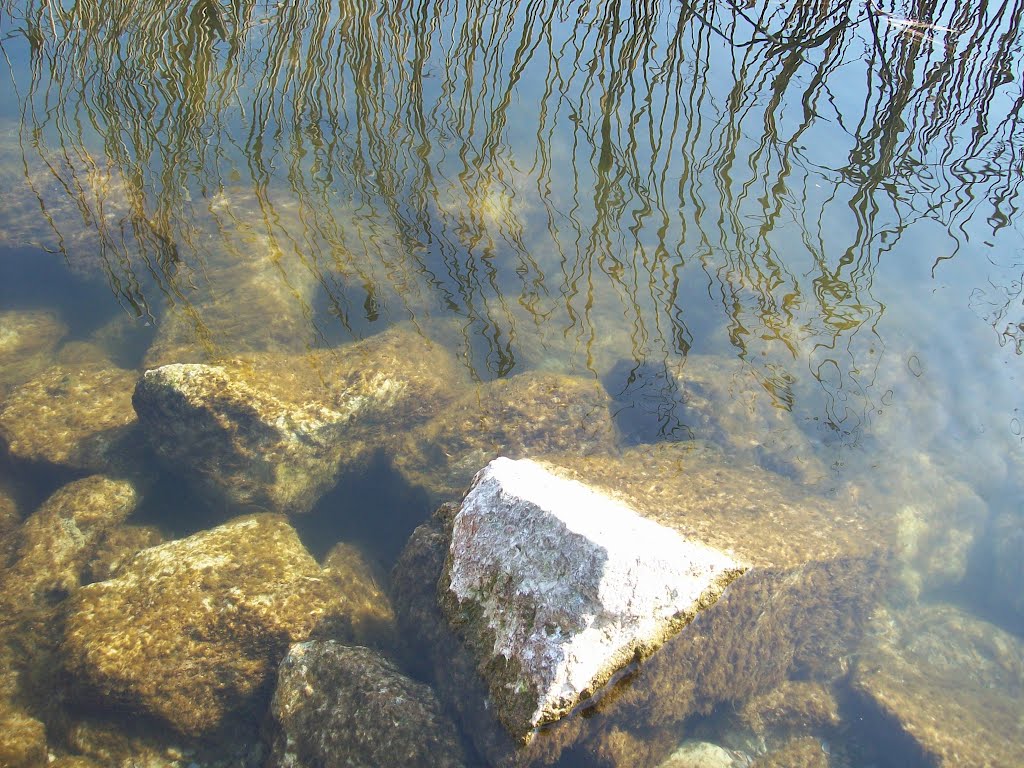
{"x":793,"y":705}
{"x":946,"y":683}
{"x":342,"y":705}
{"x":22,"y":739}
{"x":1007,"y":560}
{"x":274,"y":432}
{"x":56,"y":542}
{"x":72,"y":416}
{"x":698,"y":754}
{"x":816,"y":567}
{"x":556,"y":587}
{"x":192,"y":630}
{"x":526,"y":415}
{"x":798,"y":752}
{"x":373,"y":619}
{"x":27,"y":343}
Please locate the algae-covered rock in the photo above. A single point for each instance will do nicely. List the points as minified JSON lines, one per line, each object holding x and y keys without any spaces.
{"x":530,"y":414}
{"x":373,"y":619}
{"x":22,"y":739}
{"x":10,"y":518}
{"x":76,"y":417}
{"x":799,"y":752}
{"x":1007,"y":553}
{"x":56,"y":542}
{"x":815,"y":567}
{"x":556,"y":588}
{"x":699,"y":754}
{"x":117,"y":547}
{"x":27,"y":343}
{"x":945,"y":684}
{"x":794,"y":705}
{"x":348,"y":705}
{"x":274,"y":432}
{"x":191,"y":630}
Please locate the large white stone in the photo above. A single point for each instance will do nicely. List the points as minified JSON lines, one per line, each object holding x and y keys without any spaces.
{"x":556,"y":587}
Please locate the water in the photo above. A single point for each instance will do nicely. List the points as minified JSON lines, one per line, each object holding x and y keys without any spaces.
{"x":814,"y":205}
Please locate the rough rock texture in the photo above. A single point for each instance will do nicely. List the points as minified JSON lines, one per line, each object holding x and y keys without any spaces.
{"x":10,"y":519}
{"x":555,"y":588}
{"x":27,"y":342}
{"x":274,"y":432}
{"x":22,"y":740}
{"x":815,"y":568}
{"x":117,"y":547}
{"x":699,"y":754}
{"x":526,"y":415}
{"x":56,"y":542}
{"x":191,"y":630}
{"x":348,"y":705}
{"x":1007,"y":562}
{"x":373,"y":618}
{"x":792,"y":706}
{"x":945,"y":685}
{"x":76,"y":417}
{"x":801,"y":752}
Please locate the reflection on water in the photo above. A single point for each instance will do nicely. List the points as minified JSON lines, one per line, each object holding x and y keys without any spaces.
{"x":729,"y":214}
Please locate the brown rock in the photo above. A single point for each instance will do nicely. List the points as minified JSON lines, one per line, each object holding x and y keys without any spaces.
{"x":373,"y":619}
{"x":800,"y":752}
{"x":27,"y":343}
{"x":22,"y":740}
{"x":792,"y":705}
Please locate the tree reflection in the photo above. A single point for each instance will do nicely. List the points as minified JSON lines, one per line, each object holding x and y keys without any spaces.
{"x":571,"y":182}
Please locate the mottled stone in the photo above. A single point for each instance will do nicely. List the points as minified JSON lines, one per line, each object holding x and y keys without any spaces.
{"x":530,"y":414}
{"x":10,"y":519}
{"x":1007,"y":562}
{"x":816,"y":567}
{"x":76,"y":417}
{"x":117,"y":547}
{"x":800,"y":752}
{"x":373,"y":618}
{"x":191,"y":631}
{"x":27,"y":343}
{"x":348,"y":705}
{"x":56,"y":542}
{"x":699,"y":754}
{"x":792,"y":705}
{"x":22,"y":739}
{"x":556,"y":588}
{"x":274,"y":432}
{"x":946,"y":685}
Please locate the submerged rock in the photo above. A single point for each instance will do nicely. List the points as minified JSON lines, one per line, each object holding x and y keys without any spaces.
{"x":373,"y":619}
{"x":341,"y":705}
{"x":22,"y":739}
{"x":799,"y":752}
{"x":27,"y":343}
{"x":75,"y":417}
{"x":1007,"y":560}
{"x":526,"y":415}
{"x":555,"y":588}
{"x":792,"y":706}
{"x":57,"y":541}
{"x":699,"y":754}
{"x":799,"y":610}
{"x":192,"y":630}
{"x":274,"y":432}
{"x":947,"y":685}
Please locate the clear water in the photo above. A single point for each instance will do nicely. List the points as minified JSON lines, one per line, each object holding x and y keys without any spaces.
{"x":825,"y":193}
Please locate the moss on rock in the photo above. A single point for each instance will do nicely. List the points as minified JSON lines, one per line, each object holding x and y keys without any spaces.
{"x":27,"y":343}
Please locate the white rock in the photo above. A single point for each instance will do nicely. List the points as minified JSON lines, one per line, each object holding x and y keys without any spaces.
{"x":556,"y":587}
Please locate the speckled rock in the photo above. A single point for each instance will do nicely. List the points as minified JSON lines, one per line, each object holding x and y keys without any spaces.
{"x":798,"y":611}
{"x":373,"y":618}
{"x":526,"y":415}
{"x":22,"y":739}
{"x":27,"y":343}
{"x":555,"y":588}
{"x":947,"y":685}
{"x":76,"y":417}
{"x":1007,"y":561}
{"x":792,"y":706}
{"x":191,"y":631}
{"x":274,"y":432}
{"x":117,"y":547}
{"x":10,"y":518}
{"x":57,"y":541}
{"x":348,"y":705}
{"x":699,"y":754}
{"x":800,"y":752}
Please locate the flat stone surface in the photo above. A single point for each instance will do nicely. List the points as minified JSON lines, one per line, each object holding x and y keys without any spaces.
{"x":72,"y":416}
{"x":557,"y":587}
{"x":816,"y":567}
{"x":526,"y":415}
{"x":273,"y":432}
{"x":348,"y":705}
{"x":27,"y":343}
{"x":946,"y":685}
{"x":192,"y":630}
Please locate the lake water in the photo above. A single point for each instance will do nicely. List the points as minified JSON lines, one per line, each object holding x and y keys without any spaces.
{"x":820,"y":198}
